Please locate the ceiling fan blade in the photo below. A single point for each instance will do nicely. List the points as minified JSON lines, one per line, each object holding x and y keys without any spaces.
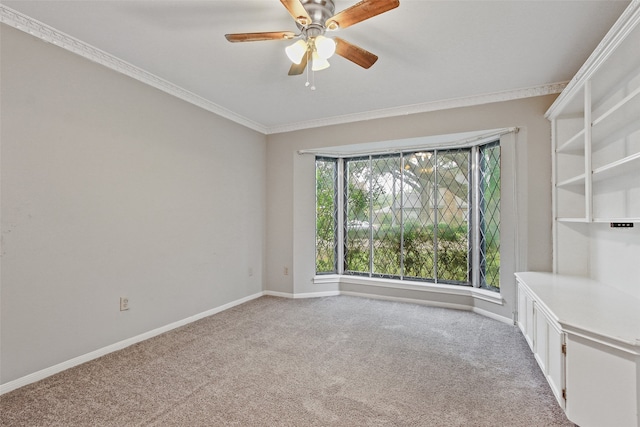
{"x":354,"y":53}
{"x":254,"y":37}
{"x":359,"y":12}
{"x":297,"y":11}
{"x":297,"y":69}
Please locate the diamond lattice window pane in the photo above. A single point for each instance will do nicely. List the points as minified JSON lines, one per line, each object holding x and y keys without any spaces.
{"x":452,"y":210}
{"x":326,"y":215}
{"x":490,"y":216}
{"x":418,"y":253}
{"x":386,"y":215}
{"x":358,"y":195}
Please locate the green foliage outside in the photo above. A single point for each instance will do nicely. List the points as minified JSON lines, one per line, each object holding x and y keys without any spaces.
{"x":325,"y":219}
{"x":416,"y":252}
{"x":490,"y":187}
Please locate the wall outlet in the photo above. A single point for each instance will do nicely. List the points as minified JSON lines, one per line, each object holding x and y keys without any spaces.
{"x":285,"y":271}
{"x":250,"y":271}
{"x":124,"y":303}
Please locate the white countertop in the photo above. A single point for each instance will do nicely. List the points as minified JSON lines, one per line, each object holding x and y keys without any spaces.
{"x":584,"y":305}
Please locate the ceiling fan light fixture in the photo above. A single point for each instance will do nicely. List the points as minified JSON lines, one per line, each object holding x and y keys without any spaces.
{"x":319,"y":63}
{"x":325,"y":47}
{"x":296,"y":51}
{"x":313,"y":19}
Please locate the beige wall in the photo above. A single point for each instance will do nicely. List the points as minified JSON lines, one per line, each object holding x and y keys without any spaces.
{"x":112,"y":188}
{"x":290,"y":186}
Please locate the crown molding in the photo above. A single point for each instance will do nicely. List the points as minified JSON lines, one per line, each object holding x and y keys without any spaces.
{"x":509,"y":95}
{"x":51,"y":35}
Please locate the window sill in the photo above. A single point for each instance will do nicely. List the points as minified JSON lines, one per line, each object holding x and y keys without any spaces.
{"x":476,"y":293}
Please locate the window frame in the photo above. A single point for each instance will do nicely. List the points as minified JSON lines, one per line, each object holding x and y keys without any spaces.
{"x":474,"y":216}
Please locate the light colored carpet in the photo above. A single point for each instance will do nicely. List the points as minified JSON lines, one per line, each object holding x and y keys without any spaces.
{"x":335,"y":361}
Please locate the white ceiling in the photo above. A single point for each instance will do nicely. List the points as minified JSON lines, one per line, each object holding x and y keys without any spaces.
{"x":430,"y":51}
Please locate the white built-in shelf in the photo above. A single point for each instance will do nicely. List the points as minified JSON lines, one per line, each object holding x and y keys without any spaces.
{"x":575,"y":143}
{"x":625,"y":111}
{"x":617,"y":64}
{"x":596,"y":135}
{"x":627,"y":165}
{"x":627,"y":101}
{"x":573,"y":103}
{"x":581,"y":220}
{"x":607,"y":220}
{"x":576,"y":220}
{"x":573,"y":181}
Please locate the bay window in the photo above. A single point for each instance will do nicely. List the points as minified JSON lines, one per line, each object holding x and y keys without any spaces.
{"x":424,"y":215}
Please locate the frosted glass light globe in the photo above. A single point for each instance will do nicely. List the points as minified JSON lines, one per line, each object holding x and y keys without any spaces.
{"x":296,"y":51}
{"x":319,"y":63}
{"x":325,"y":47}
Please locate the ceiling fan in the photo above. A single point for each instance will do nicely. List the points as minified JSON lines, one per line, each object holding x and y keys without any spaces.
{"x":314,"y":18}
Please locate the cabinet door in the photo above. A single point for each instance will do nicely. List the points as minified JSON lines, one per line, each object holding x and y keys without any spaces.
{"x":556,"y":361}
{"x":601,"y":384}
{"x":522,"y":304}
{"x":541,"y":339}
{"x":525,"y":315}
{"x":549,"y":341}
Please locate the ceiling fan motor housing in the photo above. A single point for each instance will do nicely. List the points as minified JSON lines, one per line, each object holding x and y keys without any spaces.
{"x":319,"y":11}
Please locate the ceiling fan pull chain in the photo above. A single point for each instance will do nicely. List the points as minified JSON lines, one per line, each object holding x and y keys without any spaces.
{"x":307,"y":83}
{"x":313,"y":73}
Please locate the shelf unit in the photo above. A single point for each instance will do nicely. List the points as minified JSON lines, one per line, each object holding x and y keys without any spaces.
{"x":596,"y":145}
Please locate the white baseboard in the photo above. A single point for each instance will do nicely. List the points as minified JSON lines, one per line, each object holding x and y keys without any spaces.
{"x":304,"y":295}
{"x":494,"y":316}
{"x":278,"y":294}
{"x":430,"y":303}
{"x":409,"y":300}
{"x":47,"y":372}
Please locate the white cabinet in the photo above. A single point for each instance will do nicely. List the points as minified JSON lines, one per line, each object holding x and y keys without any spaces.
{"x":545,"y":338}
{"x":586,"y":338}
